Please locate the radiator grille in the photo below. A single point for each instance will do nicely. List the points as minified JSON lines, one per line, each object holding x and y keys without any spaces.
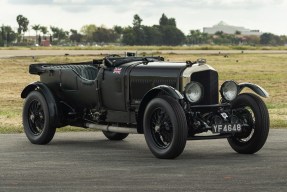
{"x":209,"y":80}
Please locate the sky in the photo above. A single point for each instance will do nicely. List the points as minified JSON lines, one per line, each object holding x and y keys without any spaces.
{"x":265,"y":15}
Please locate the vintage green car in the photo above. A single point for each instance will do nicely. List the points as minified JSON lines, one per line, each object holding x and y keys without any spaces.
{"x":168,"y":102}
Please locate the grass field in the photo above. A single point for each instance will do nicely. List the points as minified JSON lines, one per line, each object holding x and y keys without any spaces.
{"x":267,"y":70}
{"x":148,"y":48}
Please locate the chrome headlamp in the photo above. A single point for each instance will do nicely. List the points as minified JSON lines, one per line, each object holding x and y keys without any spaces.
{"x":229,"y":90}
{"x":193,"y":92}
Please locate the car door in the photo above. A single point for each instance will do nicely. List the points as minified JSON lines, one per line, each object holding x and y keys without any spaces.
{"x":112,"y":89}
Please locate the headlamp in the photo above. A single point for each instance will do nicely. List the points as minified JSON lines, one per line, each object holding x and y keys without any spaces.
{"x":193,"y":92}
{"x":229,"y":90}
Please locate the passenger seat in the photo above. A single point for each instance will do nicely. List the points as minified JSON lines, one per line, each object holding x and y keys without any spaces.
{"x":89,"y":72}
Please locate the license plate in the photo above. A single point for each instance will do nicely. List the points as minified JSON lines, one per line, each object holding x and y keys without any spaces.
{"x":226,"y":128}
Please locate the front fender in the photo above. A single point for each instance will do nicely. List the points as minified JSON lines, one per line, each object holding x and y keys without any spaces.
{"x":168,"y":90}
{"x":256,"y":88}
{"x":52,"y":105}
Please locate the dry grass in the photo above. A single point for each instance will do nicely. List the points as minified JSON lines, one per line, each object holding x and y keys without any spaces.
{"x":149,"y":48}
{"x":267,"y":70}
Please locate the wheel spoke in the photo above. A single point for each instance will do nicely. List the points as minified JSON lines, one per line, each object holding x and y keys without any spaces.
{"x":248,"y":119}
{"x":161,"y":128}
{"x":36,"y":117}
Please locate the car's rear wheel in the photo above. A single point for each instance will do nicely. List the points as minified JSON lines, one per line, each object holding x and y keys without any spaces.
{"x":165,"y":127}
{"x":36,"y":120}
{"x":115,"y":136}
{"x":255,"y":115}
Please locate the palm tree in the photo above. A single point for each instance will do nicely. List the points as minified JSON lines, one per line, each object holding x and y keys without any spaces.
{"x":36,"y":28}
{"x":44,"y":30}
{"x":23,"y":23}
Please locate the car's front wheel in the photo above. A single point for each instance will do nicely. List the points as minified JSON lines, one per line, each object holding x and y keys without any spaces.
{"x":165,"y":127}
{"x":36,"y":121}
{"x":255,"y":115}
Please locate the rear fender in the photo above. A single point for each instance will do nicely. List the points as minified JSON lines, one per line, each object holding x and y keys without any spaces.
{"x":165,"y":89}
{"x":52,"y":105}
{"x":256,"y":88}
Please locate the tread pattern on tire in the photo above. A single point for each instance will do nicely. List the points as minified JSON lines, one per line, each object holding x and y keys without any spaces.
{"x":178,"y":147}
{"x":259,"y":137}
{"x":49,"y":131}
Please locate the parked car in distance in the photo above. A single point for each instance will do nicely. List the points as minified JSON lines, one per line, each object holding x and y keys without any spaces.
{"x":168,"y":102}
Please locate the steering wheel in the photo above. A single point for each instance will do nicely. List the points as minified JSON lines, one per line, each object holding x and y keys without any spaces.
{"x":108,"y":62}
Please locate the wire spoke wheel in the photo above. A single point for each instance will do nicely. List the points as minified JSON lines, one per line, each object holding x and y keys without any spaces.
{"x":36,"y":118}
{"x":247,"y":117}
{"x":38,"y":126}
{"x":165,"y":127}
{"x":255,"y":119}
{"x":161,"y":128}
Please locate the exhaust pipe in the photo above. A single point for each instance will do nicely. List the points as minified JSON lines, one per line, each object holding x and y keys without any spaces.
{"x":112,"y":128}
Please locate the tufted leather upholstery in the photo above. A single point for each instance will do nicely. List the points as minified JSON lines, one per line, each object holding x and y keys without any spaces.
{"x":89,"y":73}
{"x":85,"y":71}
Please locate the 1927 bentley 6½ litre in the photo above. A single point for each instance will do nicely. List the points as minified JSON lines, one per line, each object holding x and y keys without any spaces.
{"x":168,"y":102}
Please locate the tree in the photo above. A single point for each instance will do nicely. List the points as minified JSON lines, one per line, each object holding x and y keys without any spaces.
{"x":221,"y":38}
{"x":153,"y":35}
{"x":53,"y":30}
{"x":237,"y":32}
{"x":88,"y":31}
{"x":172,"y":35}
{"x":138,"y":30}
{"x":75,"y":36}
{"x":283,"y":39}
{"x":271,"y":39}
{"x":58,"y":34}
{"x":104,"y":35}
{"x":252,"y":40}
{"x":164,"y":34}
{"x":219,"y":33}
{"x":36,"y":28}
{"x":194,"y":37}
{"x":43,"y":30}
{"x":7,"y":35}
{"x":118,"y":29}
{"x":129,"y":36}
{"x":137,"y":21}
{"x":23,"y":23}
{"x":164,"y":21}
{"x":171,"y":22}
{"x":39,"y":40}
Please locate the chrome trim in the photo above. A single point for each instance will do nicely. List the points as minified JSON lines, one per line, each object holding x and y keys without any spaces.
{"x":186,"y":74}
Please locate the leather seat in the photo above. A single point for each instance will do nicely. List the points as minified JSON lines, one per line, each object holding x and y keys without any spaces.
{"x":89,"y":72}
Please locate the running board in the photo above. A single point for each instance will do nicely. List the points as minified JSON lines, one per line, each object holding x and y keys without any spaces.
{"x":112,"y":128}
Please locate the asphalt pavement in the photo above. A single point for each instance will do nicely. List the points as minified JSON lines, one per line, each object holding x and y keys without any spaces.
{"x":19,"y":53}
{"x":87,"y":161}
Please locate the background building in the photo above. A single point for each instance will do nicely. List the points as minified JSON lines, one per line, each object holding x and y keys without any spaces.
{"x":229,"y":29}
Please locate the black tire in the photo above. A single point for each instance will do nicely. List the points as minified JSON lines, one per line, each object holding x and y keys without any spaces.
{"x":115,"y":136}
{"x":253,"y":139}
{"x":165,"y":127}
{"x":36,"y":121}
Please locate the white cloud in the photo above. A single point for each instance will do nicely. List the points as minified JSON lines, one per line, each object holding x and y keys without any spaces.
{"x":266,"y":15}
